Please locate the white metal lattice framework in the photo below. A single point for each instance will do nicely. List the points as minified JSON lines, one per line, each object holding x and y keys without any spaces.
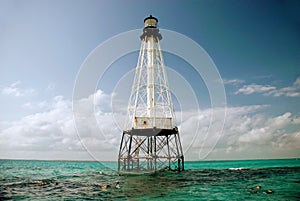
{"x":150,"y":140}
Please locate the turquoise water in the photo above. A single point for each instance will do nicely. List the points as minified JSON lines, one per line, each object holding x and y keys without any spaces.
{"x":210,"y":180}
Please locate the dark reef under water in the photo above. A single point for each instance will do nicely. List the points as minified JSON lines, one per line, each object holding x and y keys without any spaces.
{"x":52,"y":180}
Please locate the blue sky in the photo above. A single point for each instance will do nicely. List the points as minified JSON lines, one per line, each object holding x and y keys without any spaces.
{"x":254,"y":44}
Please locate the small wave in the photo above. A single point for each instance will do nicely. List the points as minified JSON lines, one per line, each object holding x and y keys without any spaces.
{"x":239,"y":168}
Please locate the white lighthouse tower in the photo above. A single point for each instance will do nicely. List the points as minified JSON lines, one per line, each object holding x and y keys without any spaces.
{"x":150,"y":140}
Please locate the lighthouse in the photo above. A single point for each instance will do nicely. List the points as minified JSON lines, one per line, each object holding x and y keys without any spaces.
{"x":150,"y":139}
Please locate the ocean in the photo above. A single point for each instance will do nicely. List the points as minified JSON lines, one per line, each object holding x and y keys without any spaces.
{"x":206,"y":180}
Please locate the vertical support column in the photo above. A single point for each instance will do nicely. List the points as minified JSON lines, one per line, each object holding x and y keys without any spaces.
{"x":120,"y":152}
{"x":179,"y":164}
{"x":129,"y":153}
{"x":181,"y":152}
{"x":151,"y":152}
{"x":168,"y":147}
{"x":148,"y":153}
{"x":155,"y":157}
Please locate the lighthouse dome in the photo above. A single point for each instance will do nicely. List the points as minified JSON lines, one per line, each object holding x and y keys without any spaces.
{"x":150,"y":22}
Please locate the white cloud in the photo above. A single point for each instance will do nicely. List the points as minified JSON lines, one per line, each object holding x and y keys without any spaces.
{"x":296,"y":120}
{"x":54,"y":130}
{"x":255,"y":88}
{"x":268,"y":90}
{"x":15,"y":90}
{"x":39,"y":105}
{"x":51,"y":134}
{"x":248,"y":133}
{"x":27,"y":105}
{"x":233,"y":81}
{"x":39,"y":131}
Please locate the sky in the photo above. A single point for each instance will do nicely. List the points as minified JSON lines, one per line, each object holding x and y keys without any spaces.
{"x":44,"y":45}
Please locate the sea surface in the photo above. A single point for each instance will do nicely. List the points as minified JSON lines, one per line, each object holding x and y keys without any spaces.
{"x":213,"y":180}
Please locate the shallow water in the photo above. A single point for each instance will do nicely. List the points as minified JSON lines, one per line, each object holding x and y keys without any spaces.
{"x":218,"y":180}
